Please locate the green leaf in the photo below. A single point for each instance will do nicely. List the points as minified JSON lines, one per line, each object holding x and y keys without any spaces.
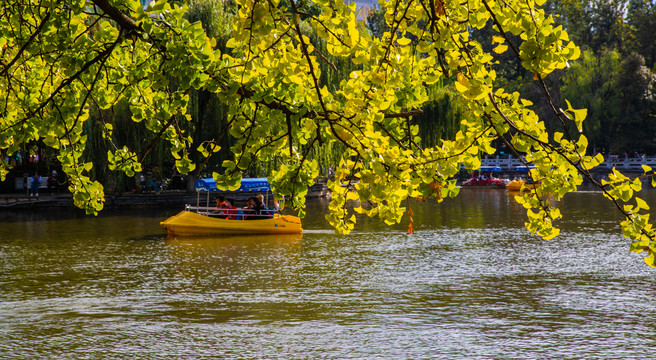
{"x":641,"y":204}
{"x":403,"y":41}
{"x":579,"y":115}
{"x":649,"y":260}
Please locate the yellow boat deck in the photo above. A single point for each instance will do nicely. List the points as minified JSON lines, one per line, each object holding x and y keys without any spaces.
{"x":188,"y":223}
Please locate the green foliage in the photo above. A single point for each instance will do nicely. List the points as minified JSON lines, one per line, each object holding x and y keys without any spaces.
{"x":613,"y":34}
{"x":617,"y":92}
{"x":213,"y":16}
{"x":641,"y":19}
{"x":282,"y":108}
{"x":442,"y":115}
{"x":376,"y":23}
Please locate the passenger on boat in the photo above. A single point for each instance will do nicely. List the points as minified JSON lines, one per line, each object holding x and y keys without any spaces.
{"x":260,"y":199}
{"x":264,"y":211}
{"x":220,"y":202}
{"x":252,"y":210}
{"x":249,"y":209}
{"x":229,"y":211}
{"x":220,"y":205}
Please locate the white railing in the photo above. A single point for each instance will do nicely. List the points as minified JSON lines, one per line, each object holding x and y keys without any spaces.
{"x":629,"y":163}
{"x":620,"y":162}
{"x":236,"y":212}
{"x":505,"y":163}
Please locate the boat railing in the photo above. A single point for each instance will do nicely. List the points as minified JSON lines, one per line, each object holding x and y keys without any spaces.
{"x":239,"y":213}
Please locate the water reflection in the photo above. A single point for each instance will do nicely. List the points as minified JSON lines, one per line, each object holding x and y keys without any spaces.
{"x":471,"y":283}
{"x":236,"y":262}
{"x":212,"y":243}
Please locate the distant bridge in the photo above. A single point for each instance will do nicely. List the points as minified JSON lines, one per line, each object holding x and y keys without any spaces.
{"x":620,"y":162}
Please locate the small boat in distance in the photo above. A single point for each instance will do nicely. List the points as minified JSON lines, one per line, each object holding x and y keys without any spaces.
{"x":486,"y":179}
{"x":205,"y":220}
{"x":517,"y":183}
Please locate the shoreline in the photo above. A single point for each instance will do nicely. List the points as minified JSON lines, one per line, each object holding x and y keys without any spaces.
{"x":14,"y":201}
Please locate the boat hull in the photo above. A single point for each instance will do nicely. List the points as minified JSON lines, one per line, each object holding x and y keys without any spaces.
{"x":516,"y":185}
{"x":187,"y":223}
{"x":483,"y":186}
{"x":490,"y":183}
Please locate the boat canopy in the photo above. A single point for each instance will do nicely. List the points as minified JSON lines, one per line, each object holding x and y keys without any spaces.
{"x":490,"y":168}
{"x":524,"y":168}
{"x":247,"y":184}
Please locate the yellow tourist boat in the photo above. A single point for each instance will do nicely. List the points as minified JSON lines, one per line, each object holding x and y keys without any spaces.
{"x":191,"y":223}
{"x":202,"y":221}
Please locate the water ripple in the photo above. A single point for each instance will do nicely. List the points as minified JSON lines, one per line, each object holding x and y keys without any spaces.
{"x":74,"y":290}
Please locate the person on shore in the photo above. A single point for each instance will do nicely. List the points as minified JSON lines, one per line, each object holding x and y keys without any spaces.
{"x":36,"y":181}
{"x":53,"y":183}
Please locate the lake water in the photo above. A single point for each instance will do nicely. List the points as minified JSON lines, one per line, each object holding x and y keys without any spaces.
{"x":470,"y":284}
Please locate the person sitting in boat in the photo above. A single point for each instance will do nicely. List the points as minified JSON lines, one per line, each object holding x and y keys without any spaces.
{"x":264,"y":210}
{"x":229,"y":211}
{"x":252,"y":209}
{"x":220,"y":202}
{"x":249,"y":209}
{"x":220,"y":205}
{"x":260,"y":199}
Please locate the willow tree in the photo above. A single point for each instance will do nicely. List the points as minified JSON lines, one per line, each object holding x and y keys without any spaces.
{"x":59,"y":58}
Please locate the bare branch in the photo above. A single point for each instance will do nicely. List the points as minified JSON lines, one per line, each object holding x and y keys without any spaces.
{"x":405,"y":114}
{"x":117,"y":15}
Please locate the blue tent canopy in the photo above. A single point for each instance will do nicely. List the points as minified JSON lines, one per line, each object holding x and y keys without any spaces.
{"x":247,"y":184}
{"x":523,"y":168}
{"x":489,"y":168}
